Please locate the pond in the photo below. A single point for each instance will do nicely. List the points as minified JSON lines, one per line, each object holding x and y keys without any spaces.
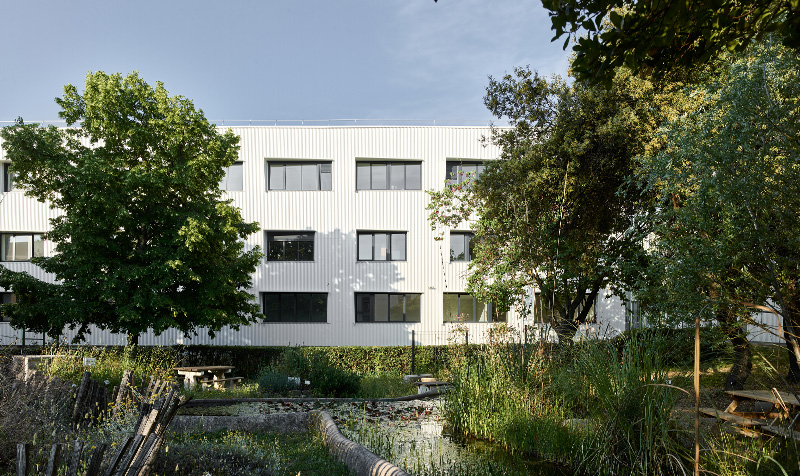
{"x":413,"y":435}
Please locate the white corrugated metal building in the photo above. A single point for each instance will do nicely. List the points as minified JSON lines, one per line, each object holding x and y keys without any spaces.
{"x":351,"y":258}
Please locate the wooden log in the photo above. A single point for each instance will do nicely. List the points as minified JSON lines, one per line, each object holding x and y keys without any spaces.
{"x":96,"y":460}
{"x":22,"y":459}
{"x":53,"y":461}
{"x":75,"y":459}
{"x":117,"y":457}
{"x":114,"y":393}
{"x":122,"y":394}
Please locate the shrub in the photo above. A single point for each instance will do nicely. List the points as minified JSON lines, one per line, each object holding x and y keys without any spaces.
{"x":332,"y":381}
{"x":272,"y":382}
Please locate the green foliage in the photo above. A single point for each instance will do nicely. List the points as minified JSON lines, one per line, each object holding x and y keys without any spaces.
{"x":726,"y":228}
{"x":332,"y":381}
{"x":657,"y":37}
{"x":558,"y":212}
{"x":274,"y":383}
{"x":144,"y":241}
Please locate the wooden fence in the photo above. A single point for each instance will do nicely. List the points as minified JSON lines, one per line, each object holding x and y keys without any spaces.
{"x":134,"y":455}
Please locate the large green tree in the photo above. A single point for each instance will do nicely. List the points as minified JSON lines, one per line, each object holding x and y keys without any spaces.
{"x":558,"y":212}
{"x":727,"y":233}
{"x":657,"y":36}
{"x":144,"y":240}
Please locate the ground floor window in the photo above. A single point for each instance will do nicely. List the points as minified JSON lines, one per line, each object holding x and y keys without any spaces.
{"x":20,"y":246}
{"x":295,"y":307}
{"x":462,"y":307}
{"x":6,"y":298}
{"x":380,"y":307}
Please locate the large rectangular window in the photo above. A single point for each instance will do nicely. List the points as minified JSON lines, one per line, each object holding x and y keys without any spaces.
{"x":295,"y":307}
{"x":462,"y":307}
{"x":381,"y":246}
{"x":20,"y":246}
{"x":6,"y":298}
{"x":458,"y":171}
{"x":7,"y":179}
{"x":234,"y":178}
{"x":388,"y":176}
{"x":461,"y":247}
{"x":387,"y":307}
{"x":299,"y":176}
{"x":290,"y":246}
{"x":542,"y":313}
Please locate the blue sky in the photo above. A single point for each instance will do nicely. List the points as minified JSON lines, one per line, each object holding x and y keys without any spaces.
{"x":289,"y":60}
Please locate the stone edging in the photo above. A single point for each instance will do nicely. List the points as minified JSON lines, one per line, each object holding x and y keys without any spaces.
{"x":358,"y":459}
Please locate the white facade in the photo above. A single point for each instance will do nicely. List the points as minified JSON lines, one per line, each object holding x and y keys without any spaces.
{"x":335,"y":217}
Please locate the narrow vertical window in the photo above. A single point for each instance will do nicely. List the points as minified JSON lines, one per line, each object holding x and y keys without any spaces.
{"x":461,"y":246}
{"x":234,"y":178}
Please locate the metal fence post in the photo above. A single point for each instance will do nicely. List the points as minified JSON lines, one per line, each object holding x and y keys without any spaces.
{"x":413,"y":348}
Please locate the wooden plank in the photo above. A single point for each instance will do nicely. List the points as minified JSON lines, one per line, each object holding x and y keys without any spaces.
{"x":781,"y":431}
{"x":96,"y":460}
{"x":739,"y":420}
{"x":80,"y":398}
{"x":144,"y":452}
{"x":53,"y":461}
{"x":764,"y":396}
{"x":75,"y":459}
{"x":117,"y":457}
{"x":22,"y":459}
{"x":133,"y":449}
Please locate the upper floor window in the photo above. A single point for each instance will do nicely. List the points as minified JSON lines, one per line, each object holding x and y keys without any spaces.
{"x":7,"y":180}
{"x":299,"y":176}
{"x":381,"y":246}
{"x":461,"y":246}
{"x":234,"y":178}
{"x":290,"y":246}
{"x":387,"y":307}
{"x":388,"y":176}
{"x":295,"y":307}
{"x":542,"y":312}
{"x":462,"y":307}
{"x":20,"y":246}
{"x":6,"y":298}
{"x":458,"y":171}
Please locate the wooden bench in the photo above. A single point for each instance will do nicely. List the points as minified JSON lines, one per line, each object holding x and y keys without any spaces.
{"x":423,"y":387}
{"x":221,"y":382}
{"x":739,"y":420}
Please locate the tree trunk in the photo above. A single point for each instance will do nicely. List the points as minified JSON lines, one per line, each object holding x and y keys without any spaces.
{"x":565,"y":329}
{"x":791,"y":333}
{"x":742,"y":353}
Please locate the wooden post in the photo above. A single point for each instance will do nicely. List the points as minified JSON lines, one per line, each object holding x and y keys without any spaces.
{"x":96,"y":460}
{"x":54,"y":461}
{"x":697,"y":395}
{"x":413,"y":363}
{"x":75,"y":459}
{"x":22,"y":459}
{"x":80,"y":398}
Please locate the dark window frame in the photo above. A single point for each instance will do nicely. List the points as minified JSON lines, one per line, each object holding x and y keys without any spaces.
{"x":323,"y":167}
{"x":368,"y":315}
{"x":468,"y":239}
{"x":7,"y":178}
{"x":298,"y":315}
{"x":389,"y":174}
{"x":490,"y":310}
{"x":272,"y":245}
{"x":390,"y":249}
{"x":224,"y":185}
{"x":33,"y":254}
{"x":459,"y":175}
{"x":6,"y":298}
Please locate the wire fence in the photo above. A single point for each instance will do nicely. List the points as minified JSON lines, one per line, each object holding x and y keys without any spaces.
{"x":325,"y":122}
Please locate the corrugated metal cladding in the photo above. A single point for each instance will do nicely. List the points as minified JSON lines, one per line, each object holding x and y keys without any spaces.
{"x":335,"y":216}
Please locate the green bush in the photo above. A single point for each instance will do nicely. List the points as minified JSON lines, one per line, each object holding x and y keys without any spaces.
{"x":272,"y":382}
{"x":330,"y":380}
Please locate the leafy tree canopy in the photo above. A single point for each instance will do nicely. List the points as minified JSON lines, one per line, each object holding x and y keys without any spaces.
{"x":557,"y":212}
{"x":727,"y":179}
{"x":144,"y":240}
{"x":658,"y":36}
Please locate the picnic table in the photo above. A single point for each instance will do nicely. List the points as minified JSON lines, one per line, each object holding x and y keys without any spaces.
{"x":203,"y":373}
{"x":762,"y":410}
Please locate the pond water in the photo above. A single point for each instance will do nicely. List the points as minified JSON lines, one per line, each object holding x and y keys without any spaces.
{"x":413,"y":435}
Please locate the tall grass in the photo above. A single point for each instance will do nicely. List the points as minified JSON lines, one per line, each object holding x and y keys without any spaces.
{"x":600,"y":406}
